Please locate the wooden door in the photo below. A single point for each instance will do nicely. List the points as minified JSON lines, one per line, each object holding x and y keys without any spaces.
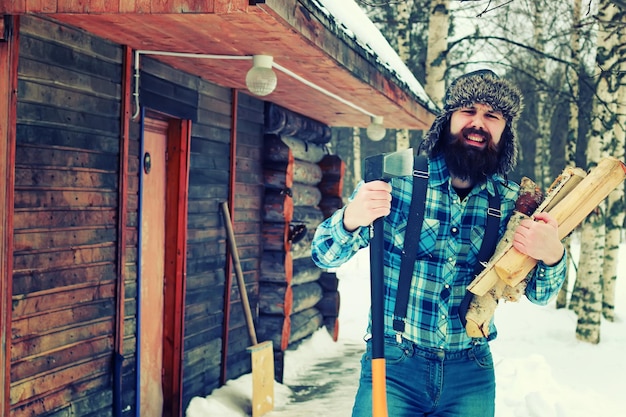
{"x":152,"y":267}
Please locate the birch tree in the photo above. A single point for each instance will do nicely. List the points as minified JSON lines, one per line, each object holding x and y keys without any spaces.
{"x":572,"y":123}
{"x":403,"y":40}
{"x":588,"y":291}
{"x":615,"y":202}
{"x":542,"y":150}
{"x":436,"y":60}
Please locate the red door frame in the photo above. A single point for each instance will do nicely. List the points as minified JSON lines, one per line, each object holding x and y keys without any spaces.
{"x":9,"y":46}
{"x":178,"y":149}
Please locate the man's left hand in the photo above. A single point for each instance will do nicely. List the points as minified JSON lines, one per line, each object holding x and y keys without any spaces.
{"x":539,"y":239}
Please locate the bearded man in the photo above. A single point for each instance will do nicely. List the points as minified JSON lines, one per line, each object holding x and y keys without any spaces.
{"x":433,"y":368}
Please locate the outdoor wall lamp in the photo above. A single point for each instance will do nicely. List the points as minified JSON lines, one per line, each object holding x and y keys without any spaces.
{"x":376,"y":131}
{"x":261,"y":79}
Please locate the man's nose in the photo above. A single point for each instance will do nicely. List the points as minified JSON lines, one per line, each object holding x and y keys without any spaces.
{"x":478,"y":121}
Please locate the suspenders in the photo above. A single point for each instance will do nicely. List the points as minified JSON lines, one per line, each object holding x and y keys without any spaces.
{"x":414,"y":224}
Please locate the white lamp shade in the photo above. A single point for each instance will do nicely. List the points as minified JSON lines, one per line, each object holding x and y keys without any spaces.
{"x":261,"y":79}
{"x":376,"y":131}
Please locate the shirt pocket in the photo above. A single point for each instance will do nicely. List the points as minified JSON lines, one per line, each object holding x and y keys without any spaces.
{"x":428,"y":238}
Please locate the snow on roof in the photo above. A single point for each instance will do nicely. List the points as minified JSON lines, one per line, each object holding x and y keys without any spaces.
{"x":356,"y":25}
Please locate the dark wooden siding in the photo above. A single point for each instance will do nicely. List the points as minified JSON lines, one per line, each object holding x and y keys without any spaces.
{"x":208,"y":186}
{"x":248,"y":201}
{"x":66,"y":199}
{"x":66,"y":205}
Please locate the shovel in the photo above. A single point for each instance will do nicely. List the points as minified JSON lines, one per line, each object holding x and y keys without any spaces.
{"x":381,"y":167}
{"x":262,"y":353}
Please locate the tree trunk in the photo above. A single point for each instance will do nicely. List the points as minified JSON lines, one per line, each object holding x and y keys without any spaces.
{"x":572,"y":124}
{"x":616,"y":209}
{"x":615,"y":219}
{"x":587,"y":295}
{"x":543,"y":141}
{"x":586,"y":298}
{"x":436,"y":63}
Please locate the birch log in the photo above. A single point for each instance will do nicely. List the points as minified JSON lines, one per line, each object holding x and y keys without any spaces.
{"x":572,"y":196}
{"x":482,"y":307}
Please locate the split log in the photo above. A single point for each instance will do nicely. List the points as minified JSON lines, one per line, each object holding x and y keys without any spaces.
{"x":482,"y":307}
{"x":570,"y":199}
{"x":489,"y":277}
{"x":571,"y":208}
{"x":279,"y":120}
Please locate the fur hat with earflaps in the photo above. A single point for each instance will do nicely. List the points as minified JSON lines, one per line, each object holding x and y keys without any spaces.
{"x":485,"y":87}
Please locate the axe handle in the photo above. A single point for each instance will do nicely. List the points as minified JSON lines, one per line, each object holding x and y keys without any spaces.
{"x":379,"y":390}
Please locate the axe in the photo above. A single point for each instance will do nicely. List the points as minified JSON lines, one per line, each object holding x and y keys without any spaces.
{"x":381,"y":167}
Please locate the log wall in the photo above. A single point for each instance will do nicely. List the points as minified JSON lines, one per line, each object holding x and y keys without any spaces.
{"x":298,"y":175}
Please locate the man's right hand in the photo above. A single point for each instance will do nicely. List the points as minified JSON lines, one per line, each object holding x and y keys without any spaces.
{"x":372,"y":200}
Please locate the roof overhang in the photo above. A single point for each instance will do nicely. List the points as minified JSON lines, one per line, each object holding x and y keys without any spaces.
{"x":297,"y":33}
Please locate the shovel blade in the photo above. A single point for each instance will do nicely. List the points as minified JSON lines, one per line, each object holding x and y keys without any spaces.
{"x":388,"y":165}
{"x":262,"y":378}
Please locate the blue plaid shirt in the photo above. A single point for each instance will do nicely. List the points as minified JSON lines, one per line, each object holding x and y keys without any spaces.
{"x":451,"y":237}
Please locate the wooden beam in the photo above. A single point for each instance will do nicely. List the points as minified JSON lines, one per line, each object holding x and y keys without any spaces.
{"x":178,"y":151}
{"x":121,"y":227}
{"x":8,"y":103}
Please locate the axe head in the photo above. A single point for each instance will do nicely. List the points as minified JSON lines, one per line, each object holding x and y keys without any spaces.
{"x":388,"y":165}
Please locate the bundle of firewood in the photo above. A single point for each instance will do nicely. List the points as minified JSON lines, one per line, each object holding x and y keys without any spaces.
{"x":572,"y":196}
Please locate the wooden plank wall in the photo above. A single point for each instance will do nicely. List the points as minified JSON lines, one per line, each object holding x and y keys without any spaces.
{"x":249,"y":191}
{"x":65,"y":222}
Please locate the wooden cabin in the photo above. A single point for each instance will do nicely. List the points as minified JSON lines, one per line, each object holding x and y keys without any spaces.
{"x":124,"y":126}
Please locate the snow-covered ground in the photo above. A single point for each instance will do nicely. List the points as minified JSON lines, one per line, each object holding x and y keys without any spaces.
{"x":542,"y":370}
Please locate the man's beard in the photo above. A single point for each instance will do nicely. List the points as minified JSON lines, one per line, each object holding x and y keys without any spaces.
{"x":467,"y":162}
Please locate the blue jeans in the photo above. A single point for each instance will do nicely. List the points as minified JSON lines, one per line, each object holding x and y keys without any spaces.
{"x":431,"y":382}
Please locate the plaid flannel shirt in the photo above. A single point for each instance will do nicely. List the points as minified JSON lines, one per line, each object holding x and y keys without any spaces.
{"x":451,"y":237}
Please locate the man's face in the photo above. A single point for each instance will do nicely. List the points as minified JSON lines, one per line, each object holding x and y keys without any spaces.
{"x":472,"y":142}
{"x":477,"y":126}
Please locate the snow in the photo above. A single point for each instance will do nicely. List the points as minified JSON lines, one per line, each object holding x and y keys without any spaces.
{"x":355,"y":24}
{"x":542,"y":370}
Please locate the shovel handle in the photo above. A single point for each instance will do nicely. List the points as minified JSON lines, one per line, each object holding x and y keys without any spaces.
{"x":230,"y":234}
